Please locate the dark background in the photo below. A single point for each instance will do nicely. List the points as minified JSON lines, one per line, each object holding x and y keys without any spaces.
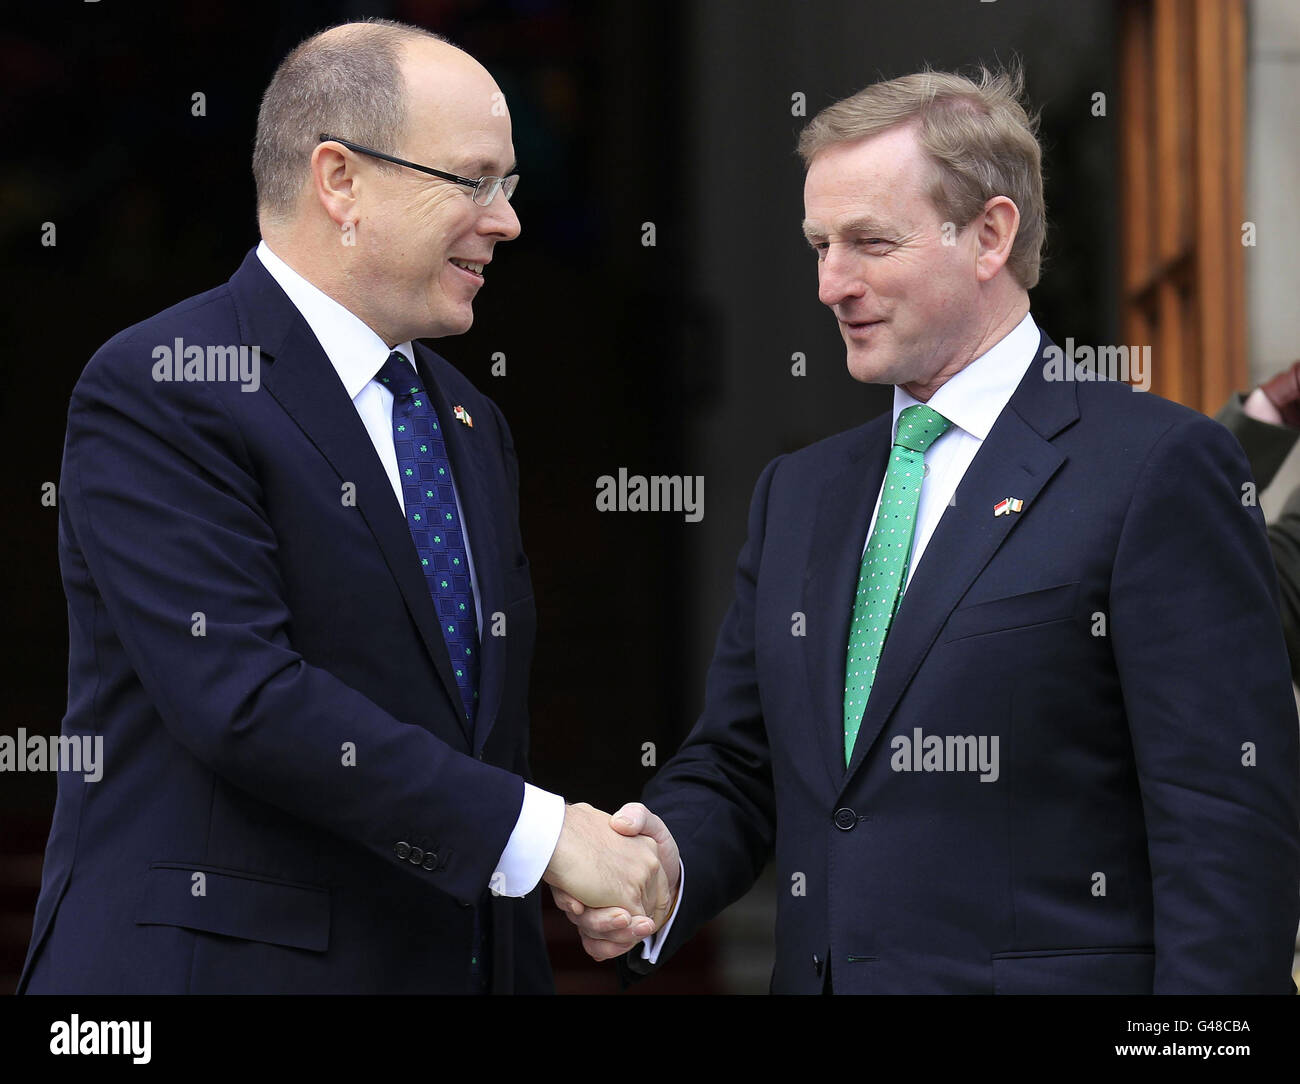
{"x":671,"y":359}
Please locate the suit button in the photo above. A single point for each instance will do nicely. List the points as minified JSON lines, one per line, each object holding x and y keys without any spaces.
{"x":430,"y":860}
{"x":402,"y":850}
{"x":817,"y":963}
{"x":417,"y":856}
{"x":845,"y":818}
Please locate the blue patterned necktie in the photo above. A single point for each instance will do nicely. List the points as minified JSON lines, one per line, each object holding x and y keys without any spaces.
{"x":434,"y":521}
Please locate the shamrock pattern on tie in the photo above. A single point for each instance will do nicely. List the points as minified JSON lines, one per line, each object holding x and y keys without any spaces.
{"x":884,"y":564}
{"x":434,"y":521}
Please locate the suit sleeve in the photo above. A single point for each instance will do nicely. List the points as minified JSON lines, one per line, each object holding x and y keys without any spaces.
{"x":1265,"y":445}
{"x":716,"y":794}
{"x":162,"y":499}
{"x":1284,"y":537}
{"x":1203,"y":668}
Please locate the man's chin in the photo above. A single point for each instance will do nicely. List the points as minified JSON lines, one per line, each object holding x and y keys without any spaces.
{"x":450,"y":324}
{"x":870,"y":370}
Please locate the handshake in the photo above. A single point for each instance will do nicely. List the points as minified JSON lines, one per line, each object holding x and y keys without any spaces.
{"x":616,"y":878}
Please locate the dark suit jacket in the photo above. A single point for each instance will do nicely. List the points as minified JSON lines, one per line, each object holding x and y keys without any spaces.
{"x":227,"y":754}
{"x":1119,"y":635}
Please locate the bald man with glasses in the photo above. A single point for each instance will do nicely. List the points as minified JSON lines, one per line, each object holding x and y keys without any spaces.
{"x":300,"y":613}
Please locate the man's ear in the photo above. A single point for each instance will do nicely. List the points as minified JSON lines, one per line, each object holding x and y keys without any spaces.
{"x":335,"y":183}
{"x":995,"y":232}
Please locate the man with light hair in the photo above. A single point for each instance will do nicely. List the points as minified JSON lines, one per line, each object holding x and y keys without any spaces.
{"x":1058,"y":573}
{"x":300,"y":613}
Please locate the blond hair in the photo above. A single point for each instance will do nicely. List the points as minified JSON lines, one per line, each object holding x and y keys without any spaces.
{"x":977,"y":135}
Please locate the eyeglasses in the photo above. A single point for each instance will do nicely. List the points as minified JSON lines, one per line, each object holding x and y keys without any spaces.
{"x":485,"y":188}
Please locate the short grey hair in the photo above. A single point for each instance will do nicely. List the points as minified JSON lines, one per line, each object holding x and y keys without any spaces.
{"x":977,"y":135}
{"x":348,"y":85}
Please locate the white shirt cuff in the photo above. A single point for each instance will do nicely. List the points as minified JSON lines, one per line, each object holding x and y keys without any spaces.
{"x":530,"y":846}
{"x":651,"y":945}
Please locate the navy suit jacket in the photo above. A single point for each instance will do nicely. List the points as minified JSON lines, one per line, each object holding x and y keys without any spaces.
{"x":1119,"y":635}
{"x":291,"y":800}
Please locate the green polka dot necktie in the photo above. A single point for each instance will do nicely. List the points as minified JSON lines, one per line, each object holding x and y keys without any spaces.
{"x":884,"y":564}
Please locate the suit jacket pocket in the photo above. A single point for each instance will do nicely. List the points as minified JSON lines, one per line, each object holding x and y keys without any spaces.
{"x":1075,"y":971}
{"x":519,"y":583}
{"x":1013,"y":612}
{"x":235,"y":903}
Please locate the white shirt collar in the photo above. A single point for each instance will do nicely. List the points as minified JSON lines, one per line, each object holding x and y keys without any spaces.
{"x":974,"y":397}
{"x":353,"y":348}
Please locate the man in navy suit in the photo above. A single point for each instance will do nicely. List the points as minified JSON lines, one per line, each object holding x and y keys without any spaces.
{"x":300,"y":613}
{"x":1003,"y":685}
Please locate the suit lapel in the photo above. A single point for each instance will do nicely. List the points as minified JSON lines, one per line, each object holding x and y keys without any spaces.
{"x":1016,"y":460}
{"x":305,"y":384}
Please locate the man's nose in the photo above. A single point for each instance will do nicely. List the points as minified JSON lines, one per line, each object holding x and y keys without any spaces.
{"x":499,"y":218}
{"x":838,"y":278}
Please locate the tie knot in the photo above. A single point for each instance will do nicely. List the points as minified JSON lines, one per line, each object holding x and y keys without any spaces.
{"x":919,"y":427}
{"x":398,"y":376}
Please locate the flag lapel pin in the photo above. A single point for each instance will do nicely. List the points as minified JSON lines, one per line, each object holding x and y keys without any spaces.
{"x":1008,"y":505}
{"x":462,"y":415}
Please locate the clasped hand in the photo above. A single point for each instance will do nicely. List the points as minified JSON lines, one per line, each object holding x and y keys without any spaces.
{"x":616,"y":878}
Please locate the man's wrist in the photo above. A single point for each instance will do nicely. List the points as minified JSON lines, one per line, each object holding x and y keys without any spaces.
{"x":531,"y":847}
{"x":1283,"y":394}
{"x":653,"y":945}
{"x":1260,"y":407}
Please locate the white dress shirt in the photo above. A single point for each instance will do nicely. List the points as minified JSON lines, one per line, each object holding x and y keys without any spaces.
{"x":972,"y":401}
{"x":357,"y":355}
